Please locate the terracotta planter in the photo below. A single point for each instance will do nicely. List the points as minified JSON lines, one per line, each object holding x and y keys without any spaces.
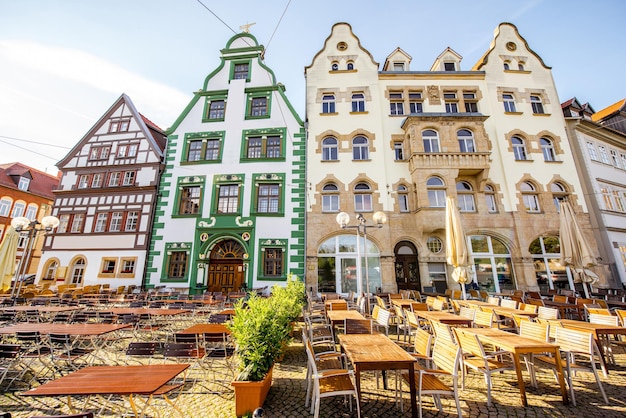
{"x":251,"y":395}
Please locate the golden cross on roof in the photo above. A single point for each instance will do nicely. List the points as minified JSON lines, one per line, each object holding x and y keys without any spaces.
{"x":246,"y":27}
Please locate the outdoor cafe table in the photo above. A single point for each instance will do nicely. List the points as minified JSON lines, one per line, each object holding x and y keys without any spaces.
{"x":111,"y":380}
{"x":519,"y":346}
{"x":151,"y":311}
{"x":444,"y":317}
{"x":83,"y":329}
{"x":509,"y":312}
{"x":378,"y":352}
{"x":40,"y":308}
{"x":338,"y":317}
{"x":206,"y":329}
{"x":596,"y":329}
{"x":403,"y":303}
{"x":563,"y":307}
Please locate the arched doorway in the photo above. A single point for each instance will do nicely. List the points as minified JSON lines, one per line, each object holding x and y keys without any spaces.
{"x":225,"y":269}
{"x":77,"y":271}
{"x":406,"y":267}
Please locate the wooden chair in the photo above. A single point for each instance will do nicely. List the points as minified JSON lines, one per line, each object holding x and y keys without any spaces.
{"x":382,"y":320}
{"x":493,"y":300}
{"x":466,"y":312}
{"x":574,"y":345}
{"x":538,"y":331}
{"x":477,"y":358}
{"x":331,"y":383}
{"x":544,"y":312}
{"x":324,"y":360}
{"x":438,"y":305}
{"x":338,"y":306}
{"x":605,"y":340}
{"x":483,"y":319}
{"x":621,"y":314}
{"x":358,"y":326}
{"x":536,"y":302}
{"x":443,"y":332}
{"x":509,"y":303}
{"x":140,"y":352}
{"x":446,"y":358}
{"x":10,"y":371}
{"x":419,"y":306}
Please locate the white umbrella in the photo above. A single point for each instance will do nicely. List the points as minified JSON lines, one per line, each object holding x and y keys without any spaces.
{"x":576,"y":254}
{"x":457,"y":253}
{"x":8,"y":254}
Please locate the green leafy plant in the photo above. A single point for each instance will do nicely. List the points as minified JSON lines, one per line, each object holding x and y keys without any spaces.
{"x":261,"y":328}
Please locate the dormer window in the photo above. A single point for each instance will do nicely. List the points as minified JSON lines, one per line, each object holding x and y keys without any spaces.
{"x":449,"y":66}
{"x":520,"y":66}
{"x":350,"y":66}
{"x":398,"y":66}
{"x":23,"y":184}
{"x":334,"y":66}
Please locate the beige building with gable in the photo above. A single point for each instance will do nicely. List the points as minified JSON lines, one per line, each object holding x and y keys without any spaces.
{"x":395,"y":139}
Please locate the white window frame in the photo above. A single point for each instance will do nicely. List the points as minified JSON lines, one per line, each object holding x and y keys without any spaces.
{"x":436,"y":192}
{"x":508,"y":101}
{"x":360,"y":148}
{"x":547,"y":149}
{"x":431,"y":142}
{"x":5,"y":207}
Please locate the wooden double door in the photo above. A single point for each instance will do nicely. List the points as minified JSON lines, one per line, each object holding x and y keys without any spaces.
{"x":226,"y":269}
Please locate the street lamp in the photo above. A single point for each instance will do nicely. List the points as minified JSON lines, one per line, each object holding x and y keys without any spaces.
{"x":29,"y":230}
{"x":361,"y":228}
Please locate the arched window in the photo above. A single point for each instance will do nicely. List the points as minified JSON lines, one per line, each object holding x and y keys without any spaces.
{"x":465,"y":197}
{"x":350,"y":66}
{"x":334,"y":66}
{"x":546,"y":253}
{"x":490,"y":199}
{"x":506,"y":66}
{"x":403,"y":198}
{"x":536,"y":104}
{"x":431,"y":140}
{"x":360,"y":148}
{"x":492,"y":263}
{"x":559,"y":194}
{"x":329,"y":149}
{"x":77,"y":271}
{"x":330,"y":198}
{"x":530,"y":197}
{"x":328,"y":103}
{"x":547,"y":148}
{"x":50,"y":270}
{"x":466,"y":140}
{"x":519,"y":148}
{"x":5,"y":206}
{"x":520,"y":66}
{"x":436,"y":192}
{"x":358,"y":102}
{"x":362,"y":197}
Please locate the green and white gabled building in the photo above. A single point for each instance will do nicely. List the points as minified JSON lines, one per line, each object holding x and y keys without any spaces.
{"x":231,"y":204}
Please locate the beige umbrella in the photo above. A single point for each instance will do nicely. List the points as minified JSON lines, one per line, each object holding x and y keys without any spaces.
{"x":8,"y":253}
{"x":576,"y":254}
{"x":457,"y":253}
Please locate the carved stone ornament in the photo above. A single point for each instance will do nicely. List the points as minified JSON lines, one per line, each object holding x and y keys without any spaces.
{"x":433,"y":92}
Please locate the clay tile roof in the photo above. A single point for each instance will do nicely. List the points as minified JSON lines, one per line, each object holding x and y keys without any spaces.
{"x":41,"y":184}
{"x":608,"y":111}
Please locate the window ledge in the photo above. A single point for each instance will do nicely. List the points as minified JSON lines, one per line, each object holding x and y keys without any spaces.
{"x":399,"y":115}
{"x":248,"y":117}
{"x":201,"y":162}
{"x":359,"y":113}
{"x":330,"y":161}
{"x":513,"y":113}
{"x":341,"y":71}
{"x":354,"y":161}
{"x":554,"y":162}
{"x":528,"y":160}
{"x":207,"y":120}
{"x":517,"y":71}
{"x":542,"y":114}
{"x":329,"y":114}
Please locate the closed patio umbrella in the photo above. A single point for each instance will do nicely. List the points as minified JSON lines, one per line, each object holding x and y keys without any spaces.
{"x":457,"y":253}
{"x":8,"y":253}
{"x":576,"y":254}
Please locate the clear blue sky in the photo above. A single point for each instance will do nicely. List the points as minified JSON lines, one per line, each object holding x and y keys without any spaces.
{"x":64,"y":62}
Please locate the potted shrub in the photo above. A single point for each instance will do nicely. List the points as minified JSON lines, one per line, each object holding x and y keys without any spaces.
{"x":261,"y":328}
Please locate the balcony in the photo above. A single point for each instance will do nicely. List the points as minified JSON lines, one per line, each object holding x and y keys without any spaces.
{"x":466,"y":163}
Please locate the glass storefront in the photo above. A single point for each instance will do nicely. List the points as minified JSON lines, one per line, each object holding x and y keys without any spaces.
{"x":492,"y":264}
{"x":549,"y":272}
{"x":344,"y":252}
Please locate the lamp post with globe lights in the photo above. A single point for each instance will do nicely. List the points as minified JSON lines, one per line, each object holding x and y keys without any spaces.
{"x":343,"y":219}
{"x":29,"y":229}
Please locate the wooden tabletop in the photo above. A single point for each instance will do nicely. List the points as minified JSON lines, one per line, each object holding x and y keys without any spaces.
{"x":340,"y":316}
{"x":88,"y":329}
{"x":151,"y":311}
{"x":206,"y":329}
{"x":40,"y":308}
{"x":378,"y":352}
{"x":403,"y":303}
{"x":444,"y":317}
{"x":119,"y":380}
{"x":519,"y":346}
{"x":504,"y":311}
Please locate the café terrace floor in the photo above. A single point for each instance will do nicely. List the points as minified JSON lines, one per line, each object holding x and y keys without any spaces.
{"x":286,"y":397}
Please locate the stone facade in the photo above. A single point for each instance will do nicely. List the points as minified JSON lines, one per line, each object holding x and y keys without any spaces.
{"x":399,"y":141}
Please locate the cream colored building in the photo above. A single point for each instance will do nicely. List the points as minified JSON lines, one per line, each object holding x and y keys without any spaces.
{"x":399,"y":140}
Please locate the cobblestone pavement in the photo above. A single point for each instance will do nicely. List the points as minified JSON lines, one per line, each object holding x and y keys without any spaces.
{"x":286,"y":397}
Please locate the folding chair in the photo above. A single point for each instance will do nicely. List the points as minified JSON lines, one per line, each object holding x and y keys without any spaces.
{"x":446,"y":358}
{"x":186,"y":353}
{"x":9,"y":361}
{"x":140,"y":352}
{"x":477,"y":358}
{"x":326,"y":383}
{"x":576,"y":345}
{"x":325,"y":360}
{"x":34,"y":355}
{"x":65,"y":354}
